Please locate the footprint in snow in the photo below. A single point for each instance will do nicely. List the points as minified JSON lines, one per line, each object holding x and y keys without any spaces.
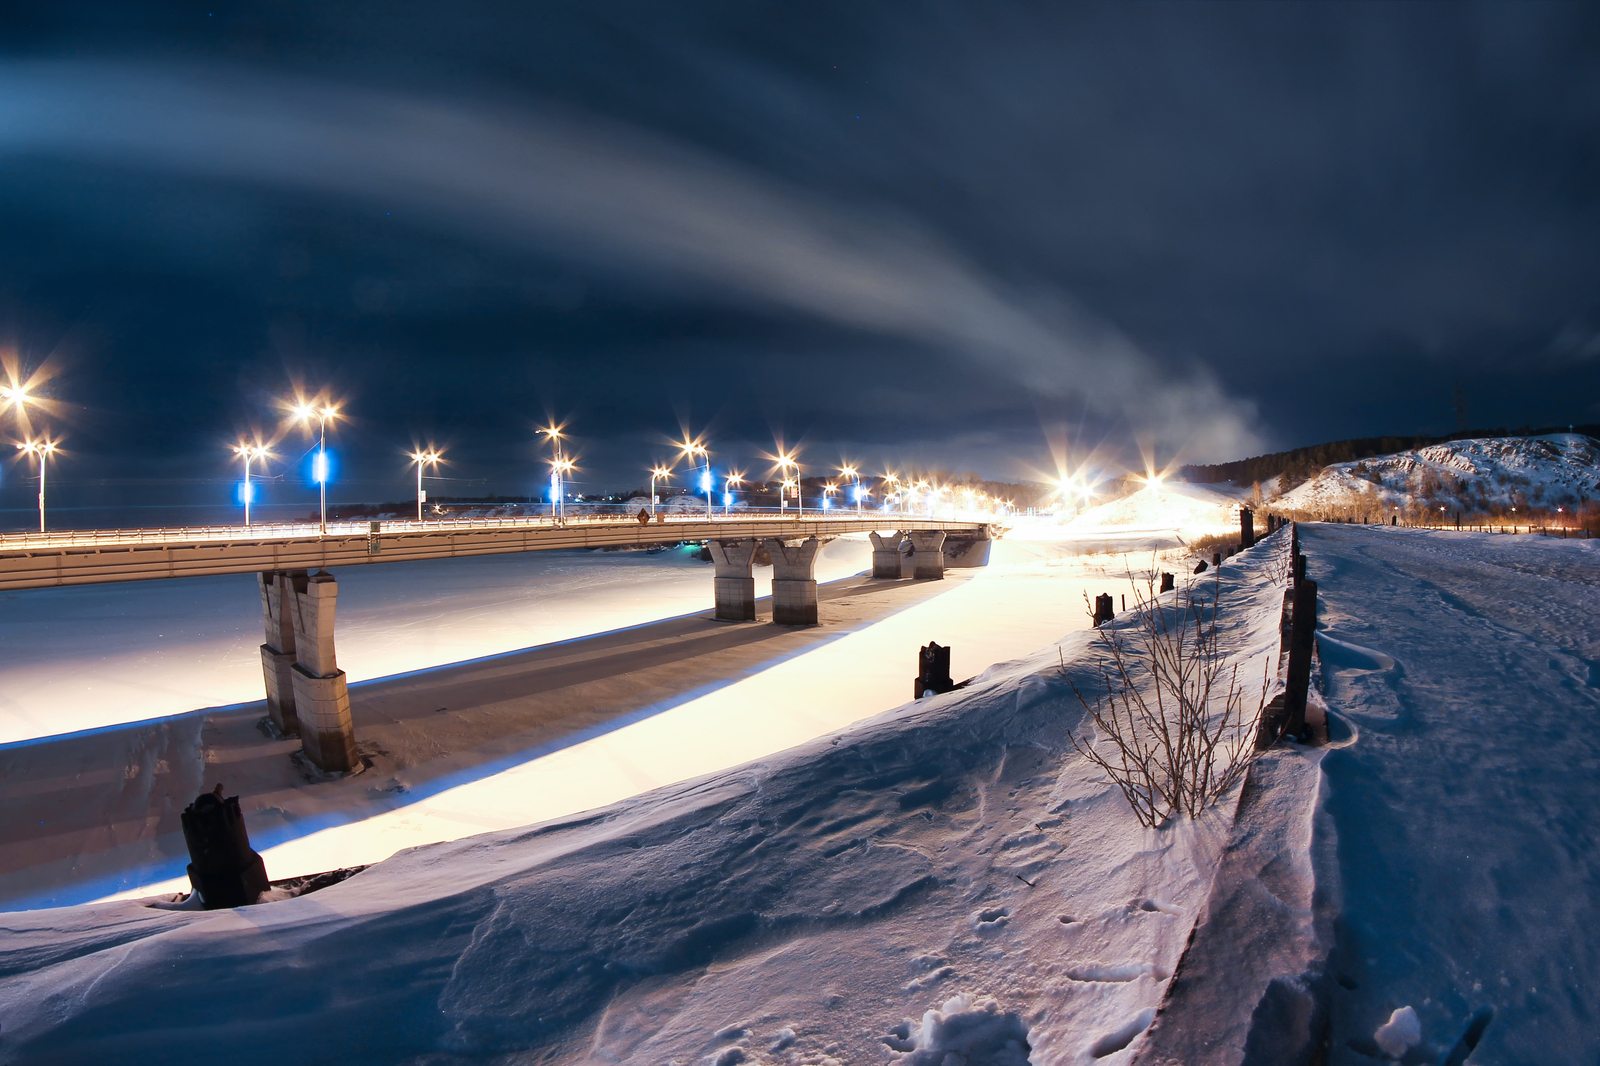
{"x":1112,"y":1043}
{"x":1126,"y":972}
{"x":987,"y":923}
{"x":1155,"y":906}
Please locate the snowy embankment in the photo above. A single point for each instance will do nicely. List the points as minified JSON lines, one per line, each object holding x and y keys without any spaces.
{"x":1176,"y":506}
{"x":947,"y":878}
{"x":1462,"y":672}
{"x":1480,"y":476}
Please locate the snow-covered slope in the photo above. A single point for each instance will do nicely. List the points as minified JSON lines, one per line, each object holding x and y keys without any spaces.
{"x":948,"y":878}
{"x":1174,"y":505}
{"x":1480,"y":476}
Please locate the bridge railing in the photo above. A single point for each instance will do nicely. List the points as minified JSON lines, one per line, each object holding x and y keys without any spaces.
{"x":362,"y":527}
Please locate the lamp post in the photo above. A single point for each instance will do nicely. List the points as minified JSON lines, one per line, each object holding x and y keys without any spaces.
{"x":559,"y":469}
{"x":656,"y":473}
{"x":850,"y":472}
{"x":432,"y":457}
{"x":691,"y":449}
{"x":828,"y":490}
{"x":891,"y":489}
{"x":324,"y":414}
{"x":783,"y":494}
{"x":558,"y":466}
{"x":43,"y":450}
{"x":785,"y":462}
{"x":249,"y":453}
{"x":727,"y":491}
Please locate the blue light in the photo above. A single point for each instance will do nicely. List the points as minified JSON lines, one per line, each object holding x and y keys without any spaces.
{"x":246,"y":492}
{"x":705,"y":481}
{"x":727,"y":499}
{"x":826,"y":503}
{"x":319,"y":468}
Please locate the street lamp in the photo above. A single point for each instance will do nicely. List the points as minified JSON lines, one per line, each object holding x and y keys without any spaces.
{"x":891,"y":490}
{"x":431,"y":457}
{"x":783,"y":495}
{"x":733,"y":479}
{"x":828,"y":490}
{"x":304,"y":413}
{"x":249,"y":453}
{"x":43,"y":450}
{"x":557,"y":459}
{"x":657,"y":473}
{"x":850,"y":472}
{"x":559,"y":469}
{"x":692,"y":448}
{"x":784,"y":463}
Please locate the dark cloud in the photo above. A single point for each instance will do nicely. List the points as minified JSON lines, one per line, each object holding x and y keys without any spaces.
{"x":925,"y":232}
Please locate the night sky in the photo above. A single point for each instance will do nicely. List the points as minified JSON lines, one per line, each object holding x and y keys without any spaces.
{"x":955,"y":236}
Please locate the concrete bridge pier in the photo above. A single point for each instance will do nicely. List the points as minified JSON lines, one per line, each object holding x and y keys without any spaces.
{"x":321,"y":698}
{"x":735,"y":586}
{"x":927,"y":554}
{"x":794,"y":582}
{"x":886,"y":554}
{"x":277,"y":654}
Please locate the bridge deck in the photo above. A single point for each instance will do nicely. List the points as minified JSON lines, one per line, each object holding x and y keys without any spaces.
{"x":87,"y":557}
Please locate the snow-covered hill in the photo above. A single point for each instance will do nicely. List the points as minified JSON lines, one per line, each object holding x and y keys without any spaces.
{"x":1550,"y":475}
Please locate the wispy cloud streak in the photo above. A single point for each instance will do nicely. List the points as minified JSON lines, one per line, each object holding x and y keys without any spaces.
{"x":618,"y":198}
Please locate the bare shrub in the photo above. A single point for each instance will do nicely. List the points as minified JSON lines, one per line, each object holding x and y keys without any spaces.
{"x":1204,"y":547}
{"x":1171,"y":707}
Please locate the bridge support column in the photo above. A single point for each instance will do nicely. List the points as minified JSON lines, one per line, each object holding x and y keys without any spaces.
{"x":886,"y":554}
{"x":794,"y":582}
{"x":736,"y":588}
{"x":927,"y":554}
{"x":277,"y":654}
{"x":321,"y":698}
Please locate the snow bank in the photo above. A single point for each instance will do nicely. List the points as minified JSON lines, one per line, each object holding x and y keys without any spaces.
{"x":1190,"y":509}
{"x":951,"y":861}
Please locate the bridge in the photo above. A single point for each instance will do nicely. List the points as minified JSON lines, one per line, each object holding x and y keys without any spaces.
{"x":306,"y":691}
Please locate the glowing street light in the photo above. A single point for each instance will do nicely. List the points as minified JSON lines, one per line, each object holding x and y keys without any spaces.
{"x":734,"y":478}
{"x":785,"y":463}
{"x":691,"y":449}
{"x":42,"y":450}
{"x":850,"y":472}
{"x":559,"y":469}
{"x":250,"y":453}
{"x":327,"y":412}
{"x":432,"y":458}
{"x":783,"y":495}
{"x":558,"y":466}
{"x":657,"y":473}
{"x":891,"y":495}
{"x":828,"y":490}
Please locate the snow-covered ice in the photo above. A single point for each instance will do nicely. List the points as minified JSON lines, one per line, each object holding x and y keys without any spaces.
{"x":946,"y":879}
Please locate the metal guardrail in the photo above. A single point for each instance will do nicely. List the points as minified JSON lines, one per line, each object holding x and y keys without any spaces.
{"x":101,"y":556}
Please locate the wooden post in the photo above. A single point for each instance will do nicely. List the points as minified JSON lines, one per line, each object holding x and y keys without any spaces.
{"x":1301,"y":638}
{"x":1247,"y":528}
